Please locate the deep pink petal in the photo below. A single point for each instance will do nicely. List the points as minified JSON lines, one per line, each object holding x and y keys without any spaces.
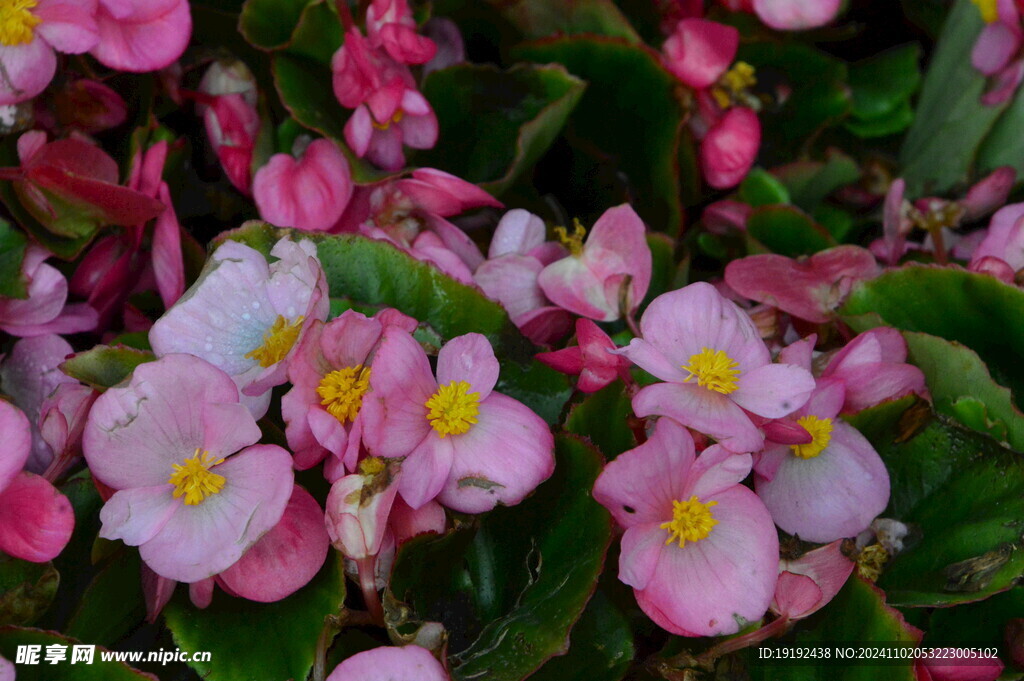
{"x":35,"y":519}
{"x":994,"y":48}
{"x":144,"y":43}
{"x":699,"y":51}
{"x":168,"y":264}
{"x":730,"y":148}
{"x":17,"y":442}
{"x":825,"y":567}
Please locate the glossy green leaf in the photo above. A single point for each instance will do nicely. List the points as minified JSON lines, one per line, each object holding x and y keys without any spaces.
{"x":12,"y":253}
{"x":975,"y":625}
{"x":635,"y":121}
{"x":959,"y":491}
{"x":12,"y":637}
{"x":885,"y":82}
{"x":600,"y":647}
{"x":891,"y":123}
{"x":26,"y":590}
{"x":951,"y":122}
{"x":761,"y":188}
{"x":112,"y":605}
{"x":496,"y":124}
{"x":976,"y":310}
{"x":510,"y":588}
{"x":542,"y":18}
{"x":251,"y":641}
{"x":789,"y":231}
{"x":268,"y":24}
{"x":1004,"y":146}
{"x":811,"y":182}
{"x":664,"y":268}
{"x":104,"y":366}
{"x":603,"y":418}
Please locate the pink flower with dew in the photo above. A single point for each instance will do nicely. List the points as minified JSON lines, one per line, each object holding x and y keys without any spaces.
{"x":715,"y":366}
{"x":231,"y":119}
{"x":957,"y":664}
{"x":245,"y":316}
{"x":28,"y":375}
{"x":591,"y":359}
{"x":463,"y":443}
{"x":606,"y":275}
{"x":517,"y":255}
{"x":390,"y":26}
{"x":330,"y":374}
{"x":44,"y":310}
{"x":31,"y":33}
{"x":142,"y":35}
{"x":309,"y":192}
{"x":809,"y":288}
{"x":393,"y":117}
{"x":830,"y":488}
{"x":873,"y":369}
{"x":796,"y":15}
{"x":168,"y":442}
{"x":408,"y":663}
{"x":699,"y":550}
{"x":807,"y":584}
{"x":35,"y":519}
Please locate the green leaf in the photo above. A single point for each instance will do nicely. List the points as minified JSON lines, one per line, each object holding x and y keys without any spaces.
{"x":376,"y":273}
{"x":603,"y":418}
{"x":664,"y":269}
{"x":895,"y":121}
{"x":104,"y":366}
{"x":761,"y":188}
{"x":857,"y":616}
{"x":12,"y":637}
{"x":496,"y":124}
{"x":951,"y":122}
{"x":789,"y":231}
{"x":959,"y":491}
{"x":973,"y":625}
{"x":268,"y":24}
{"x":12,"y":252}
{"x":810,"y":182}
{"x":112,"y":605}
{"x":976,"y":310}
{"x":542,"y":18}
{"x":600,"y":647}
{"x":962,"y":388}
{"x":251,"y":641}
{"x":26,"y":590}
{"x":510,"y":589}
{"x":885,"y":82}
{"x":634,"y":120}
{"x":1003,"y":146}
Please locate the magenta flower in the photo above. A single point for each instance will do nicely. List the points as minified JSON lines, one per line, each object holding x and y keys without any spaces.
{"x":699,"y":51}
{"x":996,"y":52}
{"x":729,"y":149}
{"x":31,"y":32}
{"x":1004,"y":240}
{"x":605,"y":276}
{"x":359,"y":70}
{"x":591,"y":360}
{"x":231,"y":119}
{"x":408,"y":663}
{"x":167,"y":443}
{"x":809,"y":288}
{"x":957,"y":664}
{"x":309,"y":193}
{"x":470,"y":447}
{"x":392,"y":117}
{"x":390,"y":26}
{"x":873,"y":369}
{"x":62,"y":418}
{"x":716,"y":368}
{"x":830,"y":488}
{"x":806,"y":584}
{"x":142,"y":35}
{"x":35,"y":519}
{"x":699,"y":550}
{"x":330,"y":374}
{"x":44,"y":311}
{"x":245,"y":316}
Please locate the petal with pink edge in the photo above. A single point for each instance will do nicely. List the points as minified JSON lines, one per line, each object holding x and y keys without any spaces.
{"x":35,"y":519}
{"x":143,"y":44}
{"x":408,"y":663}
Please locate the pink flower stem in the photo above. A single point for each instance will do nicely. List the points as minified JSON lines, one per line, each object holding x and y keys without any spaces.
{"x":368,"y":583}
{"x":346,"y":15}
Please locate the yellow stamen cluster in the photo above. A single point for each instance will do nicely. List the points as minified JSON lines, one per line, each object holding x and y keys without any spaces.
{"x":714,"y":370}
{"x":691,"y":521}
{"x":396,"y":118}
{"x":871,"y":561}
{"x":341,"y":392}
{"x":820,"y":430}
{"x":734,"y":83}
{"x":277,"y":341}
{"x":193,"y":479}
{"x":989,"y":10}
{"x":574,"y":241}
{"x":17,"y":22}
{"x":452,"y":409}
{"x":373,"y":465}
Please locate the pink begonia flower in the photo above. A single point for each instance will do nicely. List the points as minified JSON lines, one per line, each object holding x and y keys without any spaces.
{"x":873,"y":369}
{"x":605,"y":276}
{"x":142,"y":35}
{"x":359,"y":70}
{"x":806,"y":584}
{"x":1004,"y":240}
{"x":796,"y":15}
{"x":166,"y":442}
{"x":231,"y":119}
{"x":831,"y":488}
{"x":35,"y":519}
{"x":518,"y":253}
{"x":245,"y":316}
{"x":30,"y":35}
{"x":408,"y":663}
{"x":309,"y":193}
{"x":329,"y":373}
{"x":44,"y":311}
{"x":957,"y":664}
{"x":390,"y":26}
{"x":29,"y":374}
{"x":61,"y":421}
{"x":728,"y":151}
{"x":809,"y":288}
{"x":716,"y":368}
{"x":997,"y":51}
{"x":82,"y":105}
{"x":392,"y":117}
{"x":700,"y":550}
{"x":699,"y":51}
{"x":470,"y":447}
{"x":590,"y":359}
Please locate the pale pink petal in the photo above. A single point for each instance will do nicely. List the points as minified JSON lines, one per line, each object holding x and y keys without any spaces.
{"x":145,"y":42}
{"x":512,"y":281}
{"x":408,"y":663}
{"x":796,"y":595}
{"x":703,"y":410}
{"x":69,"y":26}
{"x":309,"y":193}
{"x":517,"y":232}
{"x":47,"y":292}
{"x":571,"y":284}
{"x":640,"y":553}
{"x":828,"y":569}
{"x":617,"y":245}
{"x":168,"y":264}
{"x":796,"y":15}
{"x":426,"y":470}
{"x":468,"y":358}
{"x":17,"y":442}
{"x":717,"y":469}
{"x":799,"y":353}
{"x":35,"y":519}
{"x":1004,"y":84}
{"x":406,"y":522}
{"x":774,"y":390}
{"x":994,"y":48}
{"x":358,"y":507}
{"x":227,"y":428}
{"x":28,"y":70}
{"x":988,"y":194}
{"x":444,"y":194}
{"x":138,"y":514}
{"x":201,"y":592}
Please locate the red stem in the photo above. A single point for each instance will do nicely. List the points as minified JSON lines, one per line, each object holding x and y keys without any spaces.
{"x":368,"y":583}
